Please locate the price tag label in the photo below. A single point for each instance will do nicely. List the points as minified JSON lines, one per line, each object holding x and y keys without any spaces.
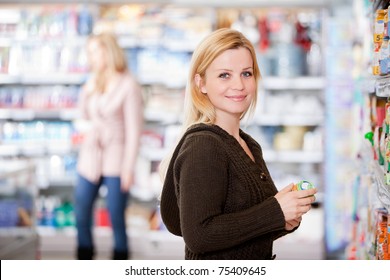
{"x":382,"y":87}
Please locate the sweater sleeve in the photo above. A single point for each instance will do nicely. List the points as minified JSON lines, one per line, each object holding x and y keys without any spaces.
{"x":202,"y":177}
{"x":284,"y":232}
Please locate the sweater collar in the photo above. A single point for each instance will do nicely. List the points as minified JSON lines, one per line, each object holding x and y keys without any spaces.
{"x":252,"y":144}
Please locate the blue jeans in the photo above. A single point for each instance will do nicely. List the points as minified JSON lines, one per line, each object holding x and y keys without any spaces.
{"x":86,"y":193}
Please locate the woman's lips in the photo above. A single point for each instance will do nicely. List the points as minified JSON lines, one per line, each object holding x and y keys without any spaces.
{"x":237,"y":98}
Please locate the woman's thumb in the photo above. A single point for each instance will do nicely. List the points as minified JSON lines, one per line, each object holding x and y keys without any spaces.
{"x":288,"y":188}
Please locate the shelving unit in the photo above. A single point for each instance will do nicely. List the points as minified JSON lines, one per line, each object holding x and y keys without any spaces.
{"x":18,"y":234}
{"x":383,"y":190}
{"x":368,"y":216}
{"x":299,"y":83}
{"x":306,"y":160}
{"x":297,"y":116}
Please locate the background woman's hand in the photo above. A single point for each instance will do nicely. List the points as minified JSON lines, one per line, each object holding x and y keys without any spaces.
{"x":295,"y":203}
{"x":127,"y":181}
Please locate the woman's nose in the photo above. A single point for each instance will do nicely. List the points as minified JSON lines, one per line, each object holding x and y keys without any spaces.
{"x":238,"y":84}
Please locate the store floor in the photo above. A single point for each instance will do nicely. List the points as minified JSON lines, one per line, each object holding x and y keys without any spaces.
{"x":304,"y":244}
{"x":307,"y":243}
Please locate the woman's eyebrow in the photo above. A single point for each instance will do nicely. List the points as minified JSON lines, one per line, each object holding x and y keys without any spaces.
{"x":229,"y":70}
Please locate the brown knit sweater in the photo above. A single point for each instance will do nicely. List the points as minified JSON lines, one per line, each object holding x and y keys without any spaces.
{"x":218,"y":199}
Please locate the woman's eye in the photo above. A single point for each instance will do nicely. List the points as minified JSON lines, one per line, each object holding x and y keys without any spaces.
{"x":247,"y":74}
{"x":224,"y":75}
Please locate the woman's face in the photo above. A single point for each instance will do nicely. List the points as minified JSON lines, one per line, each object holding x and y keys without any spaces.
{"x":96,"y":56}
{"x":229,"y":82}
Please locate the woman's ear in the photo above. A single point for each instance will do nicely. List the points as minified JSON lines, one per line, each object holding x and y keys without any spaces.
{"x":199,"y":84}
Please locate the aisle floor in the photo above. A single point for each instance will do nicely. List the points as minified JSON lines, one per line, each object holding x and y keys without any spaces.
{"x":304,"y":244}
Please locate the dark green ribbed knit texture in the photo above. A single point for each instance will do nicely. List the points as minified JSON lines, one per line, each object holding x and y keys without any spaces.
{"x":218,"y":199}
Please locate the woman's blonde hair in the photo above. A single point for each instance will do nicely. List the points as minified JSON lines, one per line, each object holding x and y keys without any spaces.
{"x":197,"y":107}
{"x":116,"y":59}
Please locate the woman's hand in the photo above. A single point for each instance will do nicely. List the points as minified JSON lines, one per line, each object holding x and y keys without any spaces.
{"x":290,"y":225}
{"x":127,"y":181}
{"x":295,"y":203}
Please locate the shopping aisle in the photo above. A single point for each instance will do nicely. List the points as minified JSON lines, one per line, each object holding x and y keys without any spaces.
{"x":306,"y":244}
{"x":303,"y":122}
{"x":145,"y":245}
{"x":38,"y":98}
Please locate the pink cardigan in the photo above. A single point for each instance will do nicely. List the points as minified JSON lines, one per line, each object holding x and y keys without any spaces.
{"x":111,"y":145}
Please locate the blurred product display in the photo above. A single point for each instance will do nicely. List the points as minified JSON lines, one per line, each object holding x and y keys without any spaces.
{"x":18,"y":193}
{"x":43,"y":64}
{"x":302,"y":120}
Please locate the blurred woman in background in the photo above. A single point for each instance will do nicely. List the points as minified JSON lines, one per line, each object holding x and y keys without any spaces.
{"x":112,"y":104}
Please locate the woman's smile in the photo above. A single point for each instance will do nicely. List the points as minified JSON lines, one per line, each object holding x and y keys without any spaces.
{"x":236,"y":98}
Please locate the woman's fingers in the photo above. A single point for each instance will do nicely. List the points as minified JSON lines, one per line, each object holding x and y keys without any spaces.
{"x":304,"y":209}
{"x":306,"y":200}
{"x":306,"y":193}
{"x":294,"y":204}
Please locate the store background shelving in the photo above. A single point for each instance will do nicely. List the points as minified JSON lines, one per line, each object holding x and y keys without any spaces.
{"x":151,"y":37}
{"x":18,"y":232}
{"x":362,"y":226}
{"x":370,"y":235}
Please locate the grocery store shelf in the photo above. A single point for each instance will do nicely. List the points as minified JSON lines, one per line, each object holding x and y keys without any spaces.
{"x":157,"y":154}
{"x":161,"y":116}
{"x":298,"y":120}
{"x":17,"y":243}
{"x":153,"y":154}
{"x":37,"y":149}
{"x":382,"y":86}
{"x":64,"y":182}
{"x":44,"y":79}
{"x":255,"y":3}
{"x":53,"y":79}
{"x":128,"y":42}
{"x":383,"y":189}
{"x":378,"y":175}
{"x":11,"y":171}
{"x":9,"y":79}
{"x":144,"y":243}
{"x":293,"y":156}
{"x":304,"y":83}
{"x":210,"y":3}
{"x":26,"y":114}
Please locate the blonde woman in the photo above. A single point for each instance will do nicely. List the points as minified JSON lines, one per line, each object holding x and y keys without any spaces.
{"x":112,"y":103}
{"x":218,"y":193}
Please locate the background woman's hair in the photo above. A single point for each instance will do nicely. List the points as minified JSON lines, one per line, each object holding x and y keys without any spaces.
{"x":197,"y":106}
{"x":115,"y":58}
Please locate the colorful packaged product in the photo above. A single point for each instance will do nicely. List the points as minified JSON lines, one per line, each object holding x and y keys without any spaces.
{"x":303,"y":185}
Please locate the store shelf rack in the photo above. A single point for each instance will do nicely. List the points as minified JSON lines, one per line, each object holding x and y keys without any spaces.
{"x":378,"y":175}
{"x":211,"y":3}
{"x":18,"y":235}
{"x":159,"y":119}
{"x":383,"y":190}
